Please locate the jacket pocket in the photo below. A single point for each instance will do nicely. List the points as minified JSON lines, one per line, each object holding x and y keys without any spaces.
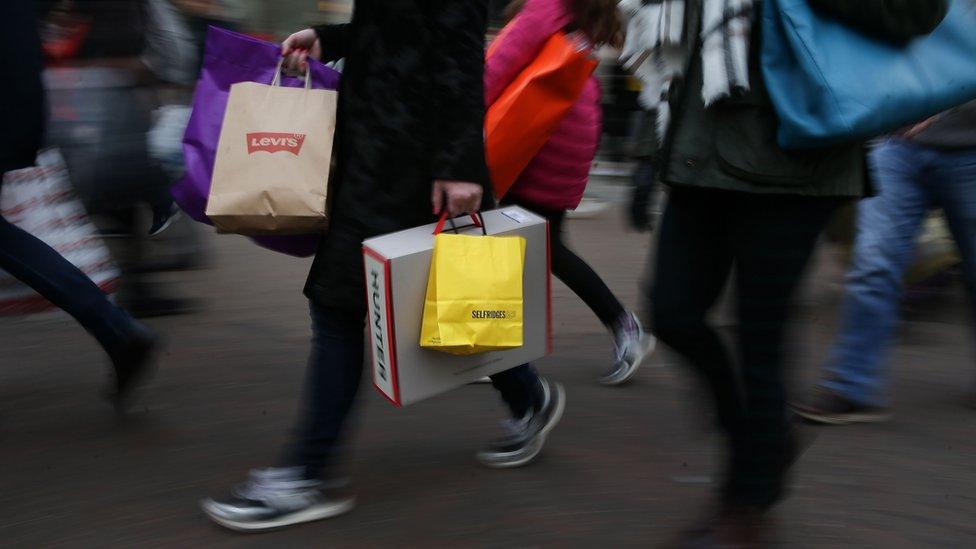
{"x":745,"y":141}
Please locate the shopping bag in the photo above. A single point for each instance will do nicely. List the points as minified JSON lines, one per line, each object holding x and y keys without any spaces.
{"x":830,"y":83}
{"x":474,"y":294}
{"x":40,"y":201}
{"x":273,"y":159}
{"x":230,"y":58}
{"x":522,"y":119}
{"x":397,"y":269}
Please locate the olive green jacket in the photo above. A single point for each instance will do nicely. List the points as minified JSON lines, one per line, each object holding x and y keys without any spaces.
{"x":732,"y":144}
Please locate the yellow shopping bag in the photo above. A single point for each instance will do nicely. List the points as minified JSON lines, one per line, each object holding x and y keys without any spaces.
{"x":474,"y":294}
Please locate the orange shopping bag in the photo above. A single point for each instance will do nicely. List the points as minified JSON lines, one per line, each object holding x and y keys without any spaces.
{"x":524,"y":116}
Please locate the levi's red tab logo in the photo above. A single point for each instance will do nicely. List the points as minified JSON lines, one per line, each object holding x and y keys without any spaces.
{"x":275,"y":142}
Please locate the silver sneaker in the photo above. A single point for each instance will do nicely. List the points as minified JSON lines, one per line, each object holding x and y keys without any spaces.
{"x":526,"y":436}
{"x":275,"y":498}
{"x":632,"y":346}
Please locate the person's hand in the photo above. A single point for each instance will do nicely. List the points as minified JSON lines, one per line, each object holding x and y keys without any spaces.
{"x":297,"y":47}
{"x":460,"y":197}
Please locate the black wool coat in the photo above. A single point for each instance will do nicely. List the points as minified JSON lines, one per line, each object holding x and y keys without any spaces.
{"x":411,"y":110}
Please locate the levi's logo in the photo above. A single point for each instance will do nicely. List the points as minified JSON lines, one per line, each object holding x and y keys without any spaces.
{"x":275,"y":142}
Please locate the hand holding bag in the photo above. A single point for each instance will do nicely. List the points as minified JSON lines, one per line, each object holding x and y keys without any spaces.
{"x":229,"y":58}
{"x":474,"y":293}
{"x":273,"y":159}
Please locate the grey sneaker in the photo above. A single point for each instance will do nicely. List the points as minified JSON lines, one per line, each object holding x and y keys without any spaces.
{"x":526,"y":436}
{"x":632,"y":346}
{"x":830,"y":408}
{"x":275,"y":498}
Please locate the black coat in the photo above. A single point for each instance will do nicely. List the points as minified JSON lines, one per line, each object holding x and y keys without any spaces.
{"x":21,"y":95}
{"x":411,"y":110}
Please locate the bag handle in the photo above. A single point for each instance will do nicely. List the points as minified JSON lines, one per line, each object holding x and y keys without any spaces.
{"x":276,"y":81}
{"x":476,"y":221}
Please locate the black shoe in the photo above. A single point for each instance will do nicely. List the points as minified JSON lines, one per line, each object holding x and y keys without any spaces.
{"x":528,"y":435}
{"x":829,"y":408}
{"x":132,"y":360}
{"x":729,"y":529}
{"x":163,"y":217}
{"x":275,"y":498}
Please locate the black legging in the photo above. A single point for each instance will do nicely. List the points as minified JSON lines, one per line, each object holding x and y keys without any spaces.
{"x":576,"y":274}
{"x":768,"y":240}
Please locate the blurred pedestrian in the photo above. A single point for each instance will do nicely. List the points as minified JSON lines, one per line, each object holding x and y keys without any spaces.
{"x":102,"y":99}
{"x":930,"y":165}
{"x":129,"y":344}
{"x":739,"y":202}
{"x":643,"y":178}
{"x":555,"y":179}
{"x":409,"y":146}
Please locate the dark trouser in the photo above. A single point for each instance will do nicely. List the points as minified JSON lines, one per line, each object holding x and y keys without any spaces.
{"x":768,"y":239}
{"x":42,"y":268}
{"x":334,"y":373}
{"x":576,"y":274}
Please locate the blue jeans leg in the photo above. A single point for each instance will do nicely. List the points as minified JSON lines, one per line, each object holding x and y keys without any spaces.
{"x":42,"y":268}
{"x":885,"y":244}
{"x":953,"y":183}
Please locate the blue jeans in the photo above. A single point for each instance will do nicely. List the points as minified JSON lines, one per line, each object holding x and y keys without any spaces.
{"x":334,"y":373}
{"x":911,"y":179}
{"x":42,"y":268}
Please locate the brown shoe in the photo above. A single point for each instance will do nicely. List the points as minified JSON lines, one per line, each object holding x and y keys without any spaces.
{"x":737,"y":528}
{"x":826,"y":407}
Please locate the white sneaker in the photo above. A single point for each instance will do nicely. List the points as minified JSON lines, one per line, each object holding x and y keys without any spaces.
{"x":632,"y":346}
{"x":275,"y":498}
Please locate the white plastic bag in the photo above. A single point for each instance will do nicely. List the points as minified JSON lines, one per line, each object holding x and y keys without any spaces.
{"x":40,"y":200}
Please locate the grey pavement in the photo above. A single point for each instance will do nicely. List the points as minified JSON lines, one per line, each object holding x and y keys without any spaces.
{"x":627,"y":467}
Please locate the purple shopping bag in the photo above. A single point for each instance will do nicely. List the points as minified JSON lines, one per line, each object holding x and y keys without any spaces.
{"x":230,"y":58}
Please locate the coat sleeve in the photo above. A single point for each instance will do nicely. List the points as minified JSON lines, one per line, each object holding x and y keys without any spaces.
{"x":334,"y":40}
{"x":894,"y":20}
{"x":457,"y":71}
{"x":523,"y":38}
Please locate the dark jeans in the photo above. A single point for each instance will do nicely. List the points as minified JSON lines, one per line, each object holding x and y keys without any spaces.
{"x":42,"y":268}
{"x":577,"y":274}
{"x":768,"y":240}
{"x":334,"y":373}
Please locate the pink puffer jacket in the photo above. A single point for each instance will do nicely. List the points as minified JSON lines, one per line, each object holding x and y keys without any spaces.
{"x":557,"y":176}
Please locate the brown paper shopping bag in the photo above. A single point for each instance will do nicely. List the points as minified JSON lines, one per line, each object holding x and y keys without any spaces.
{"x":272,"y":167}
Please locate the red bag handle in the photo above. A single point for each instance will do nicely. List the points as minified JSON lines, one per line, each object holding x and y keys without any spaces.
{"x":476,"y":221}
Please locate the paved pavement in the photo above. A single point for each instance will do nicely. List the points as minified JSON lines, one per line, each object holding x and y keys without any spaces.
{"x":627,"y":466}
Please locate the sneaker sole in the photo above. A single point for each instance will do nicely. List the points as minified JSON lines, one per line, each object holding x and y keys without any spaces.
{"x":557,"y":415}
{"x":166,"y":224}
{"x":308,"y":515}
{"x":845,"y":419}
{"x":646,"y":350}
